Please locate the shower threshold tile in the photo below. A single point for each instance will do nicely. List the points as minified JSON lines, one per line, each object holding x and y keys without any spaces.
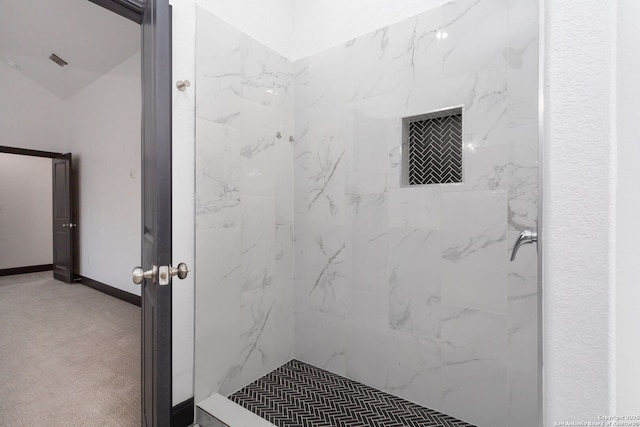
{"x":300,"y":395}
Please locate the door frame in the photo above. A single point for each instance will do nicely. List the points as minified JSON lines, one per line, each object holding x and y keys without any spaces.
{"x":156,"y":117}
{"x":33,"y":153}
{"x":53,"y":156}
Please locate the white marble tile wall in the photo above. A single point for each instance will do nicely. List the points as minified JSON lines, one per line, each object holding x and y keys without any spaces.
{"x":244,"y":208}
{"x":314,"y":242}
{"x":409,"y":289}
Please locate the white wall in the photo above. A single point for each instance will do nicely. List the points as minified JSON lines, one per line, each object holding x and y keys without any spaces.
{"x":103,"y":133}
{"x":30,"y":116}
{"x":579,"y":214}
{"x":25,"y":211}
{"x":299,"y":28}
{"x":270,"y":22}
{"x":628,"y":206}
{"x":320,"y":24}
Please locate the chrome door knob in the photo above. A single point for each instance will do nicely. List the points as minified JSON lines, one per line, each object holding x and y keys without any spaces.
{"x":181,"y":271}
{"x":139,"y":274}
{"x":166,"y":272}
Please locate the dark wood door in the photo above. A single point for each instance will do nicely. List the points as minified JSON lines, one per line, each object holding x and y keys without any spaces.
{"x":63,"y":226}
{"x":156,"y":212}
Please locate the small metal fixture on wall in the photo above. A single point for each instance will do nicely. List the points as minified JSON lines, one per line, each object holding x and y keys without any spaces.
{"x":183,"y":85}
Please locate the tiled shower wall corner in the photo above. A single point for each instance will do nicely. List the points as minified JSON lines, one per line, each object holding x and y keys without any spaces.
{"x":404,"y":289}
{"x":244,"y":208}
{"x":409,"y":289}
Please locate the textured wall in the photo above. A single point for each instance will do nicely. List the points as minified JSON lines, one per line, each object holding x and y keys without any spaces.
{"x":409,"y":289}
{"x":628,"y":206}
{"x":244,"y":211}
{"x":579,"y":214}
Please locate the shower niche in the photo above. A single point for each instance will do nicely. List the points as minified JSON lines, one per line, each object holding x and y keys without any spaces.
{"x":432,"y":148}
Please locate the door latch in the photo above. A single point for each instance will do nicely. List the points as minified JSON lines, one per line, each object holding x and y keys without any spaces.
{"x":166,"y":272}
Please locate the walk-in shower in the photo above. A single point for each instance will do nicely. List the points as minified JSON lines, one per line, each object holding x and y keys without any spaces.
{"x":356,"y":211}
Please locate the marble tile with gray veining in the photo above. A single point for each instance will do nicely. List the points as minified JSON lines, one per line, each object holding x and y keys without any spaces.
{"x":487,"y":168}
{"x":522,"y":373}
{"x":414,"y":281}
{"x":326,"y":180}
{"x":284,"y":289}
{"x":218,"y":286}
{"x":301,"y":154}
{"x":474,"y":365}
{"x":523,"y":335}
{"x":326,"y":106}
{"x":367,"y":355}
{"x":284,"y":270}
{"x":368,"y":308}
{"x":267,"y":77}
{"x":415,"y":207}
{"x":523,"y":197}
{"x":474,"y":261}
{"x":218,"y":69}
{"x":368,"y":243}
{"x":217,"y":310}
{"x":258,"y":149}
{"x":381,"y":62}
{"x":485,"y":117}
{"x":257,"y":251}
{"x":367,"y":154}
{"x":320,"y":340}
{"x":284,"y":178}
{"x":473,"y":33}
{"x":258,"y":329}
{"x":301,"y":246}
{"x":326,"y":263}
{"x":217,"y":195}
{"x":414,"y":369}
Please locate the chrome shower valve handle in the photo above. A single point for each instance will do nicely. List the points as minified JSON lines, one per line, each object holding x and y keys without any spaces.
{"x":526,"y":237}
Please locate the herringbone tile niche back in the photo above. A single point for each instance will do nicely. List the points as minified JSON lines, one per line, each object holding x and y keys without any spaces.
{"x":432,"y":148}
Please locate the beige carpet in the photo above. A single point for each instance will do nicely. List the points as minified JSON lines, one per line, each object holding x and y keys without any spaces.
{"x":69,"y":355}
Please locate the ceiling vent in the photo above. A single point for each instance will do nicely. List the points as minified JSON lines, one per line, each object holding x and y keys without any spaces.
{"x":59,"y":61}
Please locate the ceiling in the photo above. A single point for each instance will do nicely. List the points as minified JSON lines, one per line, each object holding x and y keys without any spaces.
{"x":90,"y":38}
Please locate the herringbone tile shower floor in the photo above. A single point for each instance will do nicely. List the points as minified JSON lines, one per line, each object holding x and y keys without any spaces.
{"x":300,"y":395}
